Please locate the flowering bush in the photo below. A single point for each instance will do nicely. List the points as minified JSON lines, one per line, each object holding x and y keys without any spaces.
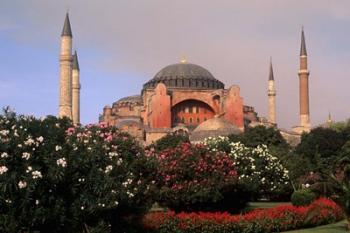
{"x":281,"y":218}
{"x":57,"y":178}
{"x":191,"y":177}
{"x":262,"y":172}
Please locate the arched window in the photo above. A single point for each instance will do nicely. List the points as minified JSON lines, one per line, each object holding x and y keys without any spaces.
{"x":190,"y":119}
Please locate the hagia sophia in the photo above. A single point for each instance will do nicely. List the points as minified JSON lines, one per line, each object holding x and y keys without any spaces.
{"x":181,"y":96}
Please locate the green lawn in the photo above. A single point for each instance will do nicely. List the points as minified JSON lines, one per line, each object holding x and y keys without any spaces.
{"x":255,"y":205}
{"x":339,"y":227}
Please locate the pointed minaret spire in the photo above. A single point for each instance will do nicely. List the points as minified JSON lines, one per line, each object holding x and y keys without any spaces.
{"x":271,"y":71}
{"x":65,"y":101}
{"x":303,"y":45}
{"x":67,"y":31}
{"x":329,"y":120}
{"x":304,"y":87}
{"x":75,"y":90}
{"x":271,"y":93}
{"x":75,"y":64}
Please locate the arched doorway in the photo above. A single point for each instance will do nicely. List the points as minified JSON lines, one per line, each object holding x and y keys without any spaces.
{"x":191,"y":113}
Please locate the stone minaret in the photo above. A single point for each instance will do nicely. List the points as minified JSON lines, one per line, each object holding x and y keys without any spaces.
{"x":65,"y":108}
{"x":272,"y":97}
{"x":75,"y":89}
{"x":304,"y":86}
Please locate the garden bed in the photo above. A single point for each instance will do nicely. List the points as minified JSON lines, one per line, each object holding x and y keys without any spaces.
{"x":276,"y":219}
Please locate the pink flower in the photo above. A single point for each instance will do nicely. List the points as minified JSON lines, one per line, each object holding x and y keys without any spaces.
{"x":109,"y":138}
{"x":70,"y":130}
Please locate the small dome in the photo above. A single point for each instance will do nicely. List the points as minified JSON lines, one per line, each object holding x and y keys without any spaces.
{"x":185,"y":76}
{"x":213,"y":127}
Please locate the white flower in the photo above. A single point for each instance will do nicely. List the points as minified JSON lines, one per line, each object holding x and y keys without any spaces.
{"x":25,"y":155}
{"x":8,"y":201}
{"x":29,"y":169}
{"x":4,"y":155}
{"x":37,"y":202}
{"x":130,"y":194}
{"x":22,"y":184}
{"x":116,"y":203}
{"x":40,"y":139}
{"x":112,"y":154}
{"x":29,"y":142}
{"x":307,"y":185}
{"x":36,"y":174}
{"x":108,"y":168}
{"x":82,"y":207}
{"x":3,"y":169}
{"x":4,"y":132}
{"x":57,"y":148}
{"x":61,"y":162}
{"x":120,"y":161}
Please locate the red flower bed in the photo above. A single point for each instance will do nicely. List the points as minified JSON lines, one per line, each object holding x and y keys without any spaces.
{"x":280,"y":218}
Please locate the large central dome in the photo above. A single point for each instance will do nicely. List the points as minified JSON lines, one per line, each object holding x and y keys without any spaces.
{"x":185,"y":76}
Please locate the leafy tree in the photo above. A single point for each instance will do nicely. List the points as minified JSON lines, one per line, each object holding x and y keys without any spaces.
{"x":170,"y":140}
{"x":259,"y":135}
{"x":321,"y":147}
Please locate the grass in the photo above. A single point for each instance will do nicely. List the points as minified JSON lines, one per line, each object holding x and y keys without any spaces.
{"x":339,"y":227}
{"x":265,"y":205}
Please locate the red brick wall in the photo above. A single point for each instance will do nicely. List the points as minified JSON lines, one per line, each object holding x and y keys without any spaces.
{"x":160,"y":111}
{"x":233,"y":107}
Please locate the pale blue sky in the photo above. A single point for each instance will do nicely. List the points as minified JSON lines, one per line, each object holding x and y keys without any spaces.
{"x":123,"y":43}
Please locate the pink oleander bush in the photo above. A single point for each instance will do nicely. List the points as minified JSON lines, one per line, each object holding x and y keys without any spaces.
{"x":58,"y":178}
{"x":280,"y":218}
{"x":193,"y":178}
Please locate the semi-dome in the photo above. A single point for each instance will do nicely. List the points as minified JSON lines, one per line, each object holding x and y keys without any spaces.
{"x":213,"y":127}
{"x":185,"y":76}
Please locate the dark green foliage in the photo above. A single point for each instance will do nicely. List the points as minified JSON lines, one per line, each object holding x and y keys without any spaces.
{"x":303,"y":197}
{"x":259,"y":135}
{"x":170,"y":141}
{"x":321,"y":147}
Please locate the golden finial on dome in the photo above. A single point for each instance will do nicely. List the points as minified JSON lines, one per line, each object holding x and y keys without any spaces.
{"x":183,"y":60}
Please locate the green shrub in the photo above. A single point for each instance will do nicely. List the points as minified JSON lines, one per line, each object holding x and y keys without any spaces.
{"x":170,"y":141}
{"x":303,"y":197}
{"x":59,"y":178}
